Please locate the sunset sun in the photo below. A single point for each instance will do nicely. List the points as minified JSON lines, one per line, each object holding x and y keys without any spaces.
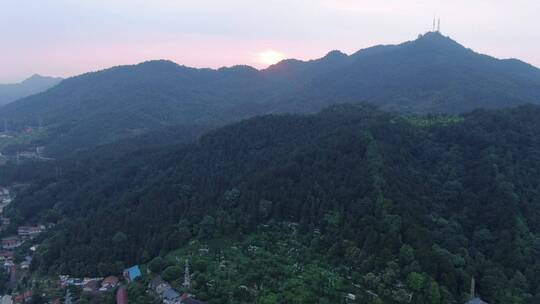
{"x":269,"y":57}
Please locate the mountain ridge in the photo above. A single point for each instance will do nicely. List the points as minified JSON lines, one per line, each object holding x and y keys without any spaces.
{"x":432,"y":73}
{"x":36,"y":83}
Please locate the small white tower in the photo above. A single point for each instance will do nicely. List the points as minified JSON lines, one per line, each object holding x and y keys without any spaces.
{"x":473,"y":285}
{"x":187,"y":276}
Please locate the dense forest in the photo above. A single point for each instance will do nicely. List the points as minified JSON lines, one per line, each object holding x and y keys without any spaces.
{"x":416,"y":204}
{"x":430,"y":74}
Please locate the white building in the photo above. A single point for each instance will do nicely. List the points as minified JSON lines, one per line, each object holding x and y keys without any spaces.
{"x":6,"y":300}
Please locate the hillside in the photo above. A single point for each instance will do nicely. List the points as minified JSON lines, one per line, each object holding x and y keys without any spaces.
{"x":430,"y":74}
{"x":102,"y":107}
{"x":421,"y":202}
{"x":144,"y":145}
{"x":30,"y":86}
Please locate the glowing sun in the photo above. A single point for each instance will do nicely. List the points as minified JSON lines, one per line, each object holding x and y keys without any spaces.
{"x":270,"y":57}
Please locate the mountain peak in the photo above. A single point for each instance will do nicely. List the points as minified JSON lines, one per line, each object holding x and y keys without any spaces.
{"x":335,"y":54}
{"x":35,"y":76}
{"x":158,"y":62}
{"x":40,"y":78}
{"x":436,"y":40}
{"x":39,"y":81}
{"x":32,"y":85}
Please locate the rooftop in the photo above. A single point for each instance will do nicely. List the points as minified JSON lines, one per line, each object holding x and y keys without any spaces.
{"x":133,"y":272}
{"x":476,"y":301}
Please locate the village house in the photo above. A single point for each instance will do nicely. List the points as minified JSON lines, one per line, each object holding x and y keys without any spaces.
{"x":11,"y":242}
{"x":132,"y":273}
{"x":109,"y":283}
{"x":26,"y":263}
{"x":91,"y":286}
{"x":40,"y":150}
{"x":65,"y":281}
{"x":87,"y":284}
{"x":157,"y":285}
{"x":29,"y":232}
{"x":6,"y":256}
{"x":168,"y":295}
{"x":5,"y":197}
{"x":9,"y":266}
{"x":30,"y":154}
{"x":204,"y":251}
{"x":26,"y":297}
{"x":187,"y":299}
{"x":75,"y":282}
{"x":6,"y":300}
{"x":476,"y":301}
{"x":4,"y":223}
{"x":164,"y":291}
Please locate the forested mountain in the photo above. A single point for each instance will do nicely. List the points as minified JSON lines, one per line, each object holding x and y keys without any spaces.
{"x":106,"y":106}
{"x":32,"y":85}
{"x":430,"y":74}
{"x":396,"y":204}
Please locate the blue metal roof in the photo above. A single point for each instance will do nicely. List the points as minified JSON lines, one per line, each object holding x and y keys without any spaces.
{"x":133,"y":272}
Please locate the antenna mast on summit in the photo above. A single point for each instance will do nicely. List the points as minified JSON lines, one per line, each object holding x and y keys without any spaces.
{"x":439,"y":25}
{"x":433,"y":28}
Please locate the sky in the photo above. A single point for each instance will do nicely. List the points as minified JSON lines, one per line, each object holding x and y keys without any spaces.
{"x":69,"y":37}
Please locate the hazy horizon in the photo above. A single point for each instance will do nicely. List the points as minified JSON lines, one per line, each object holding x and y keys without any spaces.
{"x":61,"y":39}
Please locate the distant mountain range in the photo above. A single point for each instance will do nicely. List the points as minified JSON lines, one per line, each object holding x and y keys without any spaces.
{"x":430,"y":74}
{"x":30,"y":86}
